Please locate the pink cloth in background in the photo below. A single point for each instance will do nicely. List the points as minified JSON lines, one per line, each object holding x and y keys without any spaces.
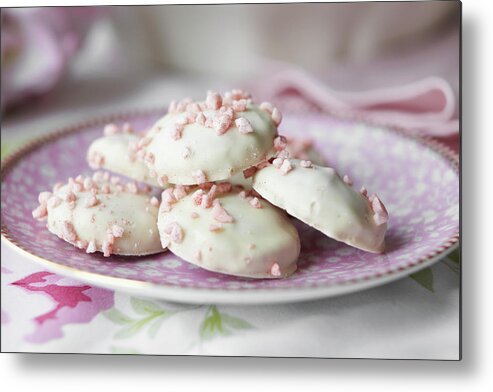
{"x":426,"y":106}
{"x":37,"y":46}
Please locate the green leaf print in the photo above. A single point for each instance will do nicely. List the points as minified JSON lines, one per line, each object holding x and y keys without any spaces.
{"x":123,"y":350}
{"x":455,"y":256}
{"x":424,"y":278}
{"x":452,"y":261}
{"x":7,"y":148}
{"x":153,"y":314}
{"x":117,"y":317}
{"x":144,"y":307}
{"x":217,"y":324}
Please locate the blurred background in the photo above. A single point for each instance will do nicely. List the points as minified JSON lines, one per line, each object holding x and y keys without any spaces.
{"x":395,"y":61}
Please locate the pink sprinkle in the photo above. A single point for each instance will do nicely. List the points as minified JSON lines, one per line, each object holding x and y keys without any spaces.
{"x":263,"y":164}
{"x":243,"y":194}
{"x":110,"y":237}
{"x":168,"y":196}
{"x":199,"y":176}
{"x":278,"y":162}
{"x":197,"y":197}
{"x":247,"y":173}
{"x":200,"y":119}
{"x":81,"y":244}
{"x":96,"y":160}
{"x":280,"y":143}
{"x":186,"y":152}
{"x":43,"y":197}
{"x":221,"y":124}
{"x":224,"y":187}
{"x":163,"y":180}
{"x":286,"y":167}
{"x":381,"y":215}
{"x":182,"y":105}
{"x":127,"y":128}
{"x":228,"y":98}
{"x":176,"y":131}
{"x":255,"y":202}
{"x":215,"y":227}
{"x":40,"y":213}
{"x":220,"y":214}
{"x":69,"y":196}
{"x":363,"y":191}
{"x":172,"y":107}
{"x":54,"y":202}
{"x":132,"y":187}
{"x":182,"y":119}
{"x":193,"y":107}
{"x":117,"y":231}
{"x":179,"y":192}
{"x":144,"y":142}
{"x":91,"y":247}
{"x":283,"y":154}
{"x":213,"y":100}
{"x":68,"y":231}
{"x":191,"y":116}
{"x":154,"y":201}
{"x":107,"y":248}
{"x":243,"y":125}
{"x":175,"y":232}
{"x":110,"y":129}
{"x":105,"y":188}
{"x":347,"y":180}
{"x":306,"y":164}
{"x":266,"y":107}
{"x":88,"y":183}
{"x":97,"y":176}
{"x":276,"y":116}
{"x":240,"y":105}
{"x":57,"y":186}
{"x":275,"y":270}
{"x":194,"y":215}
{"x":149,"y":157}
{"x":91,"y":201}
{"x":206,"y":201}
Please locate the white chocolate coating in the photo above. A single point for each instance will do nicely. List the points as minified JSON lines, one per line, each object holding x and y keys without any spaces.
{"x":297,"y":148}
{"x":132,"y":212}
{"x":118,"y":159}
{"x":250,"y":246}
{"x":321,"y":199}
{"x":217,"y":156}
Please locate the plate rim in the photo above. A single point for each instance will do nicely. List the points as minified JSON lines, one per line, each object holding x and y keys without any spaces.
{"x":238,"y":295}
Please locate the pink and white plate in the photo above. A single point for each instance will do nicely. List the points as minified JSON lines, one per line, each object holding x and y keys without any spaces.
{"x":416,"y":178}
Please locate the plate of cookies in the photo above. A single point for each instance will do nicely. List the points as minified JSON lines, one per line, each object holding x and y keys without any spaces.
{"x":226,"y":200}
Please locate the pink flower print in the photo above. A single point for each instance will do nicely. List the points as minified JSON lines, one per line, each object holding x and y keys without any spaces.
{"x":74,"y":304}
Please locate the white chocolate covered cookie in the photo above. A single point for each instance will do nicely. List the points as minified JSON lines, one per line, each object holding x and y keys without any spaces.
{"x":116,"y":152}
{"x":198,"y":142}
{"x":102,"y":214}
{"x":319,"y":197}
{"x":232,"y":233}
